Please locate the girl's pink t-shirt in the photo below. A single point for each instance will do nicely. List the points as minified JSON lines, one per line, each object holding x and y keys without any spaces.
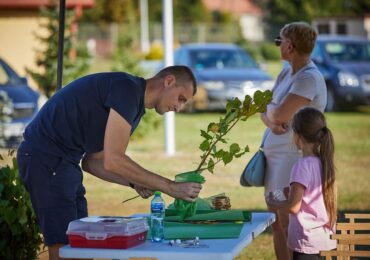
{"x":308,"y":230}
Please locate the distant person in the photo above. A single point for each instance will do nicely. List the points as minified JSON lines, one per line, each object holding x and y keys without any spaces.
{"x":91,"y":119}
{"x":311,"y":203}
{"x":298,"y":85}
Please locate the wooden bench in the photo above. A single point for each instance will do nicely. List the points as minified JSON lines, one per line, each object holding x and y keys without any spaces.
{"x":351,"y":234}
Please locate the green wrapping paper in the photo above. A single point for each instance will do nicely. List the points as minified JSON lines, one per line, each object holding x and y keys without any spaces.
{"x":220,"y":223}
{"x":211,"y":215}
{"x":185,"y":208}
{"x":177,"y":230}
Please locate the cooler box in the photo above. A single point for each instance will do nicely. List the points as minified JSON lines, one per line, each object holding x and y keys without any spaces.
{"x":107,"y":232}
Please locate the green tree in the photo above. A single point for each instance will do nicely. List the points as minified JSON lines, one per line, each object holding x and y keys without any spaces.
{"x":46,"y":59}
{"x":280,"y":12}
{"x":107,"y":11}
{"x":190,"y":11}
{"x":126,"y":59}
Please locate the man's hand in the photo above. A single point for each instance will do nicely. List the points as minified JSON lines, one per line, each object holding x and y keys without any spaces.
{"x":188,"y":191}
{"x":143,"y":192}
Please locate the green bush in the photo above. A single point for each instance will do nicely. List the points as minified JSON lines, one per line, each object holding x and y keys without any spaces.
{"x":250,"y":48}
{"x":269,"y":51}
{"x":20,"y":233}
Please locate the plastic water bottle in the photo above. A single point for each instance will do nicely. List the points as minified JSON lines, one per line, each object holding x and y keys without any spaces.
{"x":157,"y":208}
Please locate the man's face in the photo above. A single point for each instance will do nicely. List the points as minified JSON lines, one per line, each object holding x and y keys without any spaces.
{"x":173,"y":97}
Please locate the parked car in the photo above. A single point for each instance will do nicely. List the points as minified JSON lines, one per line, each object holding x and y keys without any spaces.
{"x":345,"y":63}
{"x":21,"y":108}
{"x":223,"y":72}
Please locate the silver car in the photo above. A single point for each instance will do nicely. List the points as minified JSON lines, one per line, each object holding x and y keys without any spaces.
{"x":223,"y":71}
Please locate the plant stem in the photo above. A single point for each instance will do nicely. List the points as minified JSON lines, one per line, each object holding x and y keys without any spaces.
{"x":211,"y":147}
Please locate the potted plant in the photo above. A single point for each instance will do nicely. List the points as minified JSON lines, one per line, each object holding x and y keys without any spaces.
{"x":214,"y":138}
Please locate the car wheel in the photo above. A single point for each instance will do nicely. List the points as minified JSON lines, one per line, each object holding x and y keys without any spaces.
{"x":331,"y":104}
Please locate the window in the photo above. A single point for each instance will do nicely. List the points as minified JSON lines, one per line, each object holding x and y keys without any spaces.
{"x":323,"y":28}
{"x":341,"y":28}
{"x":4,"y":78}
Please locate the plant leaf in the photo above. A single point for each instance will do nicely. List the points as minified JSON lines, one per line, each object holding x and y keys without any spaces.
{"x":234,"y":148}
{"x":227,"y":157}
{"x":211,"y":165}
{"x":204,"y":146}
{"x":205,"y":135}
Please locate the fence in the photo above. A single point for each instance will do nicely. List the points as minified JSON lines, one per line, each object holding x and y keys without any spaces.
{"x":102,"y":39}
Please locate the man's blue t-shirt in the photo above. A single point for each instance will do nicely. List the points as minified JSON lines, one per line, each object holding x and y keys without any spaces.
{"x":73,"y":121}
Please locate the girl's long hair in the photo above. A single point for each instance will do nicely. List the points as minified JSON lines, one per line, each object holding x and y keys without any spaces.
{"x":310,"y":124}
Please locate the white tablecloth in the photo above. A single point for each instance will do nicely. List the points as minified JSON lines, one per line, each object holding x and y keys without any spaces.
{"x":219,"y":249}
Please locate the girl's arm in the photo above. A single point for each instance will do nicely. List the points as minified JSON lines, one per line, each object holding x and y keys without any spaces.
{"x":292,"y":204}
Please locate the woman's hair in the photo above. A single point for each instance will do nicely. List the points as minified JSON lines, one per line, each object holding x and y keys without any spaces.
{"x":310,"y":124}
{"x":302,"y":35}
{"x":183,"y":75}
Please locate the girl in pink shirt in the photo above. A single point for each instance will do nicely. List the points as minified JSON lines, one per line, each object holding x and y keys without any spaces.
{"x":312,"y":197}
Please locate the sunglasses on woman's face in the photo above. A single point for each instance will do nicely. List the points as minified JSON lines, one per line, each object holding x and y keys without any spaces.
{"x":278,"y":41}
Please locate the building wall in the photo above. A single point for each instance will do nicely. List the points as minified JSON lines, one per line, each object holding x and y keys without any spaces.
{"x":252,"y":27}
{"x":18,"y":44}
{"x":353,"y":26}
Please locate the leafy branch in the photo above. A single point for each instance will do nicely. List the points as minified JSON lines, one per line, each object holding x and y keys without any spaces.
{"x":236,"y":110}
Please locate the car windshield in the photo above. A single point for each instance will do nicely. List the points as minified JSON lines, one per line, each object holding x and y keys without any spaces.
{"x":6,"y":78}
{"x":221,"y":59}
{"x":351,"y":51}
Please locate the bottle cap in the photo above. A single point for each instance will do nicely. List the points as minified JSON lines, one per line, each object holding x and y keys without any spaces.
{"x":157,"y":193}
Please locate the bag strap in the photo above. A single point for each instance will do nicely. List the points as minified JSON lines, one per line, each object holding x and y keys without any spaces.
{"x":268,"y":130}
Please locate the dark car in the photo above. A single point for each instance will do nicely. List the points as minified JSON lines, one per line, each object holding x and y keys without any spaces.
{"x":223,"y":72}
{"x":345,"y":63}
{"x":20,"y":105}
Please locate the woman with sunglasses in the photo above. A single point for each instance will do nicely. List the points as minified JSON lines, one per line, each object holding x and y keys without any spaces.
{"x":298,"y":85}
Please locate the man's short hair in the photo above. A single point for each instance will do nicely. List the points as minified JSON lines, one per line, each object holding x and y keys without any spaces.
{"x":183,"y":75}
{"x":302,"y":35}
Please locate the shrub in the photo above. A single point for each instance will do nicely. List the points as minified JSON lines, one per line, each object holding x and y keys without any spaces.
{"x":250,"y":48}
{"x":270,"y":52}
{"x":19,"y":230}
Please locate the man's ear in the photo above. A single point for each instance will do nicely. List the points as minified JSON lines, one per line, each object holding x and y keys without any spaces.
{"x":169,"y":81}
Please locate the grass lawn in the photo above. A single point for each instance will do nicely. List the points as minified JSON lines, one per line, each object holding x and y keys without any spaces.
{"x":352,"y":136}
{"x":352,"y":157}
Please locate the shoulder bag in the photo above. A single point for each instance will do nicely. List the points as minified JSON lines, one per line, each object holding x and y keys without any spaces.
{"x":254,"y":172}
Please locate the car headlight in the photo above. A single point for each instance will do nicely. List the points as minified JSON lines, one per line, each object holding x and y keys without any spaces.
{"x":258,"y":85}
{"x":213,"y":85}
{"x":348,"y":79}
{"x":267,"y":84}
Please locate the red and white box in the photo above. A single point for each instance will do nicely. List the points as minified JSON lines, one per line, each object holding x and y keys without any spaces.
{"x":107,"y":232}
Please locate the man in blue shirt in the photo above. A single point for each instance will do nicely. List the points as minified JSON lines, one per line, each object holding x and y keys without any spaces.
{"x":90,"y":121}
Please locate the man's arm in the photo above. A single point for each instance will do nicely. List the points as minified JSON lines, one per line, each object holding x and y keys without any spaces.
{"x":94,"y":164}
{"x":116,"y":161}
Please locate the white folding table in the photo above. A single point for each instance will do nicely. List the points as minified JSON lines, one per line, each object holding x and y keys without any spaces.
{"x":218,"y":249}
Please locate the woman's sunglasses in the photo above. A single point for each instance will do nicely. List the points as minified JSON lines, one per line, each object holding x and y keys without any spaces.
{"x":278,"y":41}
